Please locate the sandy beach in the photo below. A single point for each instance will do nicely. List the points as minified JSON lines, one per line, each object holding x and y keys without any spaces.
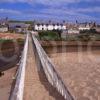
{"x":80,"y":72}
{"x":6,"y":81}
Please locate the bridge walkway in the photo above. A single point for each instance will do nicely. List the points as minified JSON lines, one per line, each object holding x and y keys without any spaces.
{"x":36,"y":86}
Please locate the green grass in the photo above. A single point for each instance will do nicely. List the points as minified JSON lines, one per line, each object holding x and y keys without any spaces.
{"x":54,"y":35}
{"x":3,"y":40}
{"x":48,"y":35}
{"x":20,"y":41}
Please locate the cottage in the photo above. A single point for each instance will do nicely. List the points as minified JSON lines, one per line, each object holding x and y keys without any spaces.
{"x":97,"y":28}
{"x":64,"y":33}
{"x":86,"y":26}
{"x":49,"y":26}
{"x":3,"y":28}
{"x":4,"y":25}
{"x":4,"y":21}
{"x":73,"y":31}
{"x":18,"y":27}
{"x":72,"y":28}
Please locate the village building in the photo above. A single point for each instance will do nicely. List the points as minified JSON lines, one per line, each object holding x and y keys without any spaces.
{"x":97,"y":28}
{"x":70,"y":30}
{"x":73,"y":31}
{"x":49,"y":26}
{"x":86,"y":26}
{"x":4,"y":25}
{"x":4,"y":21}
{"x":18,"y":27}
{"x":4,"y":28}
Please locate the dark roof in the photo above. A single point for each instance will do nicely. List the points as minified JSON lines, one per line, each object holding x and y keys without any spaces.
{"x":22,"y":25}
{"x":3,"y":21}
{"x":1,"y":26}
{"x":48,"y":23}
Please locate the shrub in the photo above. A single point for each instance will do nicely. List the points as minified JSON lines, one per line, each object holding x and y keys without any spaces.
{"x":84,"y":37}
{"x":91,"y":31}
{"x":20,"y":41}
{"x":5,"y":40}
{"x":48,"y":35}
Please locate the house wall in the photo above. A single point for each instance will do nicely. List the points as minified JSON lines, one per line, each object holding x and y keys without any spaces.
{"x":36,"y":27}
{"x":64,"y":34}
{"x":64,"y":27}
{"x":84,"y":28}
{"x":55,"y":27}
{"x":45,"y":27}
{"x":98,"y":30}
{"x":50,"y":27}
{"x":19,"y":30}
{"x":3,"y":29}
{"x":73,"y":32}
{"x":60,"y":27}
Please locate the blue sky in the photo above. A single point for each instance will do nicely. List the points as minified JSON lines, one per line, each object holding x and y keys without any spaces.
{"x":69,"y":10}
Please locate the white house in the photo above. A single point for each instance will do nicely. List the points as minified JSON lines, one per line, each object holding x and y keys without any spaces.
{"x":73,"y":31}
{"x":82,"y":27}
{"x":97,"y":28}
{"x":4,"y":25}
{"x":3,"y":28}
{"x":70,"y":31}
{"x":49,"y":26}
{"x":18,"y":27}
{"x":86,"y":26}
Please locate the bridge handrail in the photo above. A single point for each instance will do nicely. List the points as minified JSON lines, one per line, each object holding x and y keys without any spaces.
{"x":50,"y":72}
{"x":17,"y":93}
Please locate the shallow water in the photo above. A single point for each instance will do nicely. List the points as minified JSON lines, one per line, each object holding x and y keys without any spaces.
{"x":9,"y":55}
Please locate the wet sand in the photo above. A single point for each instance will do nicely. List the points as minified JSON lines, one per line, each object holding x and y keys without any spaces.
{"x":7,"y":50}
{"x":80,"y":72}
{"x":10,"y":54}
{"x":6,"y":81}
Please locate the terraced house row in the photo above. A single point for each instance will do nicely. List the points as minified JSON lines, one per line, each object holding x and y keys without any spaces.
{"x":65,"y":26}
{"x":69,"y":28}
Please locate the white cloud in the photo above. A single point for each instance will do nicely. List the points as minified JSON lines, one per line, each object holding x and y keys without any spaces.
{"x":93,"y":9}
{"x":49,"y":2}
{"x":65,"y":12}
{"x":54,"y":11}
{"x":61,"y":14}
{"x":9,"y":11}
{"x":53,"y":14}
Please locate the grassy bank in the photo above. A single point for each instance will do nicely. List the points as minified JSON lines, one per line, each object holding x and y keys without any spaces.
{"x":9,"y":45}
{"x":49,"y":35}
{"x":19,"y":40}
{"x":56,"y":36}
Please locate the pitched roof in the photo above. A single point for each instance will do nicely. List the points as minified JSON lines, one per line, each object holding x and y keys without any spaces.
{"x":13,"y":24}
{"x":3,"y":21}
{"x":48,"y":23}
